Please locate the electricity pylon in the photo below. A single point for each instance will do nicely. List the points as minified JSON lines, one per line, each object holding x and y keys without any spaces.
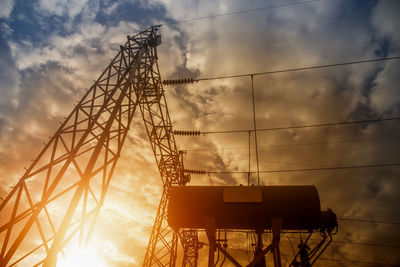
{"x":59,"y":196}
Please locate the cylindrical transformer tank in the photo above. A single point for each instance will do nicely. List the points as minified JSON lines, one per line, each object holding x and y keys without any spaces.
{"x":244,"y":207}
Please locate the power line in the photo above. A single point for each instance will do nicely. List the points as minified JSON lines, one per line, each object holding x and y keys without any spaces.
{"x":353,"y":243}
{"x":298,"y":144}
{"x":366,"y":244}
{"x":367,"y":221}
{"x":340,"y":260}
{"x":298,"y":69}
{"x":333,"y":241}
{"x":335,"y":168}
{"x":299,"y":126}
{"x":304,"y":170}
{"x":361,"y":262}
{"x":241,"y":12}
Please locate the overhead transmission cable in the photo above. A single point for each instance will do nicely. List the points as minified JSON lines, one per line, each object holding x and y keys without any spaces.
{"x":179,"y":132}
{"x":191,"y":80}
{"x":377,"y":139}
{"x":341,"y":260}
{"x":299,"y":69}
{"x":354,"y":261}
{"x":241,"y":12}
{"x":366,"y":244}
{"x":367,"y":221}
{"x":373,"y":244}
{"x":190,"y":171}
{"x":294,"y":170}
{"x":353,"y":243}
{"x":360,"y":262}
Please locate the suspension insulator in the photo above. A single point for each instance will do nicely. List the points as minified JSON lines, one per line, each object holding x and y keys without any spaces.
{"x":186,"y":132}
{"x":191,"y":171}
{"x":179,"y":81}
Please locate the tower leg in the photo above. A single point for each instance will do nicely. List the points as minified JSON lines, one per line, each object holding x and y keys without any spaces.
{"x":211,"y":232}
{"x":276,"y":237}
{"x":259,"y":250}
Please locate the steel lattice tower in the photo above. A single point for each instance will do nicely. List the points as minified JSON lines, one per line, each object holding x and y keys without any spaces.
{"x":75,"y":167}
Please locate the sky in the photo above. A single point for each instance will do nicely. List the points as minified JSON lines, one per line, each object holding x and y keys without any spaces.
{"x":52,"y":50}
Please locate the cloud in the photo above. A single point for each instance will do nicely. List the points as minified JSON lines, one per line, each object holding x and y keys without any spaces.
{"x":111,"y":9}
{"x":385,"y":96}
{"x":6,"y":8}
{"x":386,"y":92}
{"x":42,"y":79}
{"x":61,"y":7}
{"x":9,"y":76}
{"x":385,"y":20}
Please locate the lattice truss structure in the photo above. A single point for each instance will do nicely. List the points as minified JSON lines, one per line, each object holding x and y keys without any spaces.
{"x":191,"y":245}
{"x":59,"y":196}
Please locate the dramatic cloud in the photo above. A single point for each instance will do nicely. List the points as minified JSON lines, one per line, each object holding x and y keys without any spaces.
{"x":52,"y":50}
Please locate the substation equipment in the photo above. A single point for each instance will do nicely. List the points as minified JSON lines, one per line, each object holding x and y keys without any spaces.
{"x":258,"y":208}
{"x":59,"y":196}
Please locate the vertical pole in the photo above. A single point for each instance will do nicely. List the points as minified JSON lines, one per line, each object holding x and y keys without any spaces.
{"x":211,"y":232}
{"x":249,"y":173}
{"x":259,"y":249}
{"x":211,"y":253}
{"x":276,"y":237}
{"x":255,"y":128}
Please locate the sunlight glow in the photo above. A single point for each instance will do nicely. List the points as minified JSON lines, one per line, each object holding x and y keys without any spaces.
{"x":81,"y":257}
